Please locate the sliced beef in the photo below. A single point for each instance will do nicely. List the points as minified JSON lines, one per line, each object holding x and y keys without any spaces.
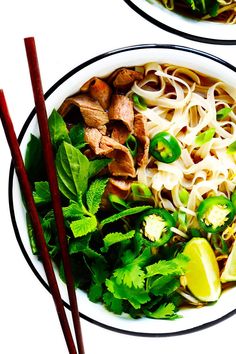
{"x":122,"y":162}
{"x":120,"y":132}
{"x":93,"y":114}
{"x":141,"y":133}
{"x":121,"y":109}
{"x":99,"y":90}
{"x":123,"y":78}
{"x":116,"y":186}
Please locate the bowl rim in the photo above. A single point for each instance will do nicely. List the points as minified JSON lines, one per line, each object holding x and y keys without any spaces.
{"x":12,"y":174}
{"x":175,"y":31}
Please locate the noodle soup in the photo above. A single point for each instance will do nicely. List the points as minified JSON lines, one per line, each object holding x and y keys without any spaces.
{"x":219,"y":11}
{"x":144,"y":151}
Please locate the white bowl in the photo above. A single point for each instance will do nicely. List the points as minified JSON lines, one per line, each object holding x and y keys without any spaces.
{"x":193,"y":319}
{"x":202,"y":31}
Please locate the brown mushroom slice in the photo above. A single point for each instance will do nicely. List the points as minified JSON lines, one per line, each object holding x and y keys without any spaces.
{"x":121,"y":109}
{"x":93,"y":114}
{"x":141,"y":133}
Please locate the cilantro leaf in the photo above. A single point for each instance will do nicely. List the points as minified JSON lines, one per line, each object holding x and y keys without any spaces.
{"x":83,"y":226}
{"x":130,"y":275}
{"x":164,"y":285}
{"x":112,"y":304}
{"x":42,"y":193}
{"x":122,"y":214}
{"x":136,"y":297}
{"x":175,"y":266}
{"x":95,"y":193}
{"x":164,"y":311}
{"x":95,"y":292}
{"x":115,"y":237}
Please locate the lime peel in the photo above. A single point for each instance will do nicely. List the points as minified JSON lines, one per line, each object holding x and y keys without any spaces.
{"x":202,"y":271}
{"x":229,"y":272}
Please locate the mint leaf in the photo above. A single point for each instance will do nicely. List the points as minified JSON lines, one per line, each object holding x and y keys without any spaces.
{"x":95,"y":166}
{"x":42,"y":193}
{"x":130,"y":275}
{"x":112,"y":304}
{"x":175,"y":266}
{"x":58,"y":129}
{"x":72,"y":170}
{"x":122,"y":214}
{"x":83,"y":226}
{"x":95,"y":193}
{"x":79,"y":244}
{"x":164,"y":311}
{"x":115,"y":237}
{"x":75,"y":209}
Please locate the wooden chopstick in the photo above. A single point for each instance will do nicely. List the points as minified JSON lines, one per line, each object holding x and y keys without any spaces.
{"x":37,"y":227}
{"x":52,"y":178}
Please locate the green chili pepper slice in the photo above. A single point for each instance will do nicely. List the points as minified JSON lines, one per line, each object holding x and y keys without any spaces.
{"x":215,"y":214}
{"x":164,"y":147}
{"x":155,"y":226}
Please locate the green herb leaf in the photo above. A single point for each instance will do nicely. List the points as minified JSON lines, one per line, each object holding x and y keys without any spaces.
{"x":164,"y":311}
{"x":175,"y":266}
{"x":76,"y":135}
{"x":231,"y":149}
{"x":95,"y":193}
{"x":83,"y":226}
{"x":95,"y":166}
{"x":136,"y":297}
{"x":58,"y":129}
{"x":223,"y":113}
{"x":164,"y":285}
{"x":112,"y":304}
{"x":74,"y":210}
{"x":42,"y":193}
{"x":72,"y":169}
{"x":122,"y":214}
{"x":117,"y":202}
{"x":115,"y":237}
{"x":34,"y":160}
{"x":205,"y":137}
{"x":130,"y":275}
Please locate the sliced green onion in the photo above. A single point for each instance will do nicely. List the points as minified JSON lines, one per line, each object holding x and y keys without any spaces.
{"x":140,"y":191}
{"x":219,"y":244}
{"x":139,"y":102}
{"x":231,"y":149}
{"x":117,"y":202}
{"x":132,"y":144}
{"x":223,"y":113}
{"x":184,"y":196}
{"x":205,"y":137}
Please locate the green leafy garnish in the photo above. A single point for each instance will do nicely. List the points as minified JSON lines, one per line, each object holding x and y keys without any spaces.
{"x":58,"y":129}
{"x":122,"y":214}
{"x":42,"y":193}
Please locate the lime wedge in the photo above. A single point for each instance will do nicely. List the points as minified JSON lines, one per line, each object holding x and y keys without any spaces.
{"x":202,"y":274}
{"x":229,"y":272}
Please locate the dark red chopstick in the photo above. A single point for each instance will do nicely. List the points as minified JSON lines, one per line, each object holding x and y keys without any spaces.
{"x":52,"y":178}
{"x":26,"y":190}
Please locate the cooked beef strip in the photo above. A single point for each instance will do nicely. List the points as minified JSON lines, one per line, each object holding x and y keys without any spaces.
{"x":141,"y":133}
{"x":121,"y":109}
{"x":124,"y":78}
{"x":93,"y":114}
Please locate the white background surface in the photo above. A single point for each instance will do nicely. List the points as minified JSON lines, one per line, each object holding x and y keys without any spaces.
{"x":68,"y":33}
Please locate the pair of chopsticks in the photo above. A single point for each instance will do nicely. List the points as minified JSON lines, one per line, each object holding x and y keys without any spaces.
{"x":55,"y":196}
